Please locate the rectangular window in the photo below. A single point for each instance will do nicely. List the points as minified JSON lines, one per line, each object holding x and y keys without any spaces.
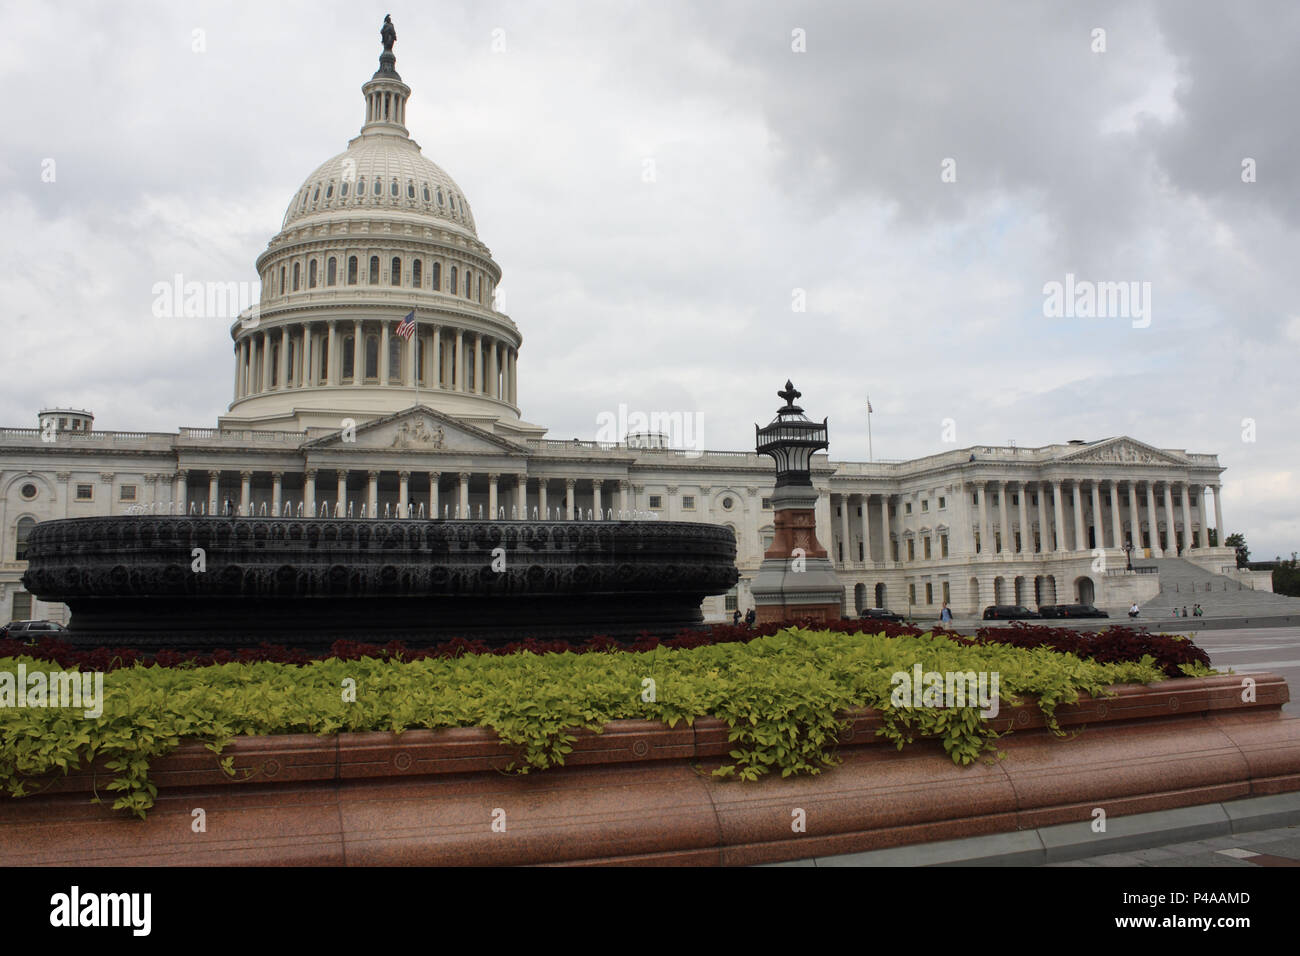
{"x":688,"y":502}
{"x":943,"y":502}
{"x":1015,"y":500}
{"x":925,"y":504}
{"x":22,"y":609}
{"x":929,"y":593}
{"x":911,"y":594}
{"x":977,"y":542}
{"x":767,"y":504}
{"x":911,"y":549}
{"x":656,"y":502}
{"x":946,"y":597}
{"x":127,"y":493}
{"x":943,"y":549}
{"x":908,"y":506}
{"x":927,"y":549}
{"x":85,"y":492}
{"x":730,"y":602}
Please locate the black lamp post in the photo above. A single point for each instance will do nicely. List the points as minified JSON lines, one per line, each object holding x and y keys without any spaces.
{"x":1128,"y":554}
{"x":791,"y":439}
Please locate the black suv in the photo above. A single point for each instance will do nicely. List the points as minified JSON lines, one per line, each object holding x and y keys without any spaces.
{"x":17,"y":630}
{"x":878,"y":614}
{"x":1008,"y":612}
{"x":1071,"y":610}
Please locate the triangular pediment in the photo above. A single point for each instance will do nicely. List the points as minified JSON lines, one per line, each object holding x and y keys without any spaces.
{"x":1124,"y":451}
{"x":418,"y":429}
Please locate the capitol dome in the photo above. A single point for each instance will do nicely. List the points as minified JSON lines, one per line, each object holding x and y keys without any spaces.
{"x":381,"y":172}
{"x":377,"y":293}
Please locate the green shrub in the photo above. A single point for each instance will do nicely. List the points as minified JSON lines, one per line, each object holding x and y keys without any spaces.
{"x":783,"y":696}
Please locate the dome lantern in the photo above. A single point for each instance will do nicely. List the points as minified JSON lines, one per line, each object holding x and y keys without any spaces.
{"x":385,"y":93}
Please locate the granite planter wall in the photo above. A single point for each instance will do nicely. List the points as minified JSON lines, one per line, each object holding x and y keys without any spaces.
{"x":641,"y":792}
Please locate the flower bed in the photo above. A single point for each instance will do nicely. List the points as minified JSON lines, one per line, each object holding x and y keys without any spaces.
{"x":783,"y":695}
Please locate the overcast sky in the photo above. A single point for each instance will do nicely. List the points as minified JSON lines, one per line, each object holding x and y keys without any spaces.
{"x":775,"y":169}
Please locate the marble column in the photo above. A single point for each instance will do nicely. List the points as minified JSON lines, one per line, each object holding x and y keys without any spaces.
{"x":570,"y":492}
{"x":1188,"y":541}
{"x":309,"y":493}
{"x":253,"y":378}
{"x":1042,"y":491}
{"x":1058,"y":508}
{"x":492,"y":496}
{"x":372,"y":495}
{"x":542,"y":505}
{"x":214,"y":490}
{"x":464,"y":494}
{"x":1151,"y":519}
{"x":1171,"y":535}
{"x":1076,"y":500}
{"x":384,"y":370}
{"x":283,"y":371}
{"x":1098,"y":529}
{"x":984,"y":518}
{"x":1117,"y":534}
{"x":182,"y":493}
{"x":866,"y":530}
{"x":341,"y":502}
{"x":277,"y":492}
{"x":1133,"y":531}
{"x":332,"y":360}
{"x":403,"y":493}
{"x":597,"y":504}
{"x":622,"y":498}
{"x":1218,"y":515}
{"x":358,"y":355}
{"x":1026,"y":533}
{"x":885,"y":554}
{"x":843,"y":556}
{"x":307,"y":379}
{"x":434,"y":478}
{"x":459,"y":359}
{"x":1004,"y":537}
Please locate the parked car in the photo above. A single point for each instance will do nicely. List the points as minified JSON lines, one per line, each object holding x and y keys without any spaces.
{"x":17,"y":630}
{"x":1008,"y":612}
{"x":1071,"y":610}
{"x":879,"y":614}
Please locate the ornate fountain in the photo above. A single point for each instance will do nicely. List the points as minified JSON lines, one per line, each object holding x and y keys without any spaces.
{"x":182,"y":582}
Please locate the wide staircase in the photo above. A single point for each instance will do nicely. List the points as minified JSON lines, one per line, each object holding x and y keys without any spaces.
{"x":1183,"y":584}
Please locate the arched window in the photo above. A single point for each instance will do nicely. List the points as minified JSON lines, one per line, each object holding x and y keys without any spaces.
{"x":394,"y":358}
{"x":452,"y":286}
{"x":417,"y":273}
{"x":378,"y":187}
{"x":361,"y":187}
{"x":410,"y":190}
{"x":331,"y":271}
{"x":374,"y":270}
{"x":349,"y":357}
{"x":281,"y":280}
{"x":395,"y":271}
{"x":297,"y":275}
{"x":311,"y":274}
{"x":352,"y":270}
{"x":437,"y":277}
{"x":25,"y":526}
{"x":316,"y":195}
{"x":372,"y":356}
{"x":324,"y":358}
{"x":343,"y":189}
{"x":392,"y":189}
{"x":329,"y":190}
{"x":467,"y":278}
{"x":426,"y":192}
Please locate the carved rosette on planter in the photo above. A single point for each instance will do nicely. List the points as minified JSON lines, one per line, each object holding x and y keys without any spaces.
{"x":136,"y":581}
{"x":796,"y":580}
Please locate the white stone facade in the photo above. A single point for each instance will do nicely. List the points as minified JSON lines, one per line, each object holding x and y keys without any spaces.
{"x":332,"y":411}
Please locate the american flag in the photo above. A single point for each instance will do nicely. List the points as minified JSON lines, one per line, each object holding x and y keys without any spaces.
{"x":406,"y":328}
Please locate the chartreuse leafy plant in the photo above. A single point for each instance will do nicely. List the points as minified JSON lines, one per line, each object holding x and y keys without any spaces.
{"x":784,"y":697}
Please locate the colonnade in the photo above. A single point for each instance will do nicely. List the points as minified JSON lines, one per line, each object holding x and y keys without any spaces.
{"x":325,"y":353}
{"x":331,"y":492}
{"x":1009,"y":517}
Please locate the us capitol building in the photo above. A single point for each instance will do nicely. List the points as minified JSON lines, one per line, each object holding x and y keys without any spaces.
{"x":333,"y":411}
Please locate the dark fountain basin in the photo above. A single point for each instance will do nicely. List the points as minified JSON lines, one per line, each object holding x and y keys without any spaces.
{"x":131,"y":581}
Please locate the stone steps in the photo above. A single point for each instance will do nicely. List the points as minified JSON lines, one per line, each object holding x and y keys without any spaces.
{"x":1185,"y":584}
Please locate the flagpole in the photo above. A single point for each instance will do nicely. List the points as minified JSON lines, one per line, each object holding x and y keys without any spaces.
{"x":415,"y":359}
{"x":869,"y":454}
